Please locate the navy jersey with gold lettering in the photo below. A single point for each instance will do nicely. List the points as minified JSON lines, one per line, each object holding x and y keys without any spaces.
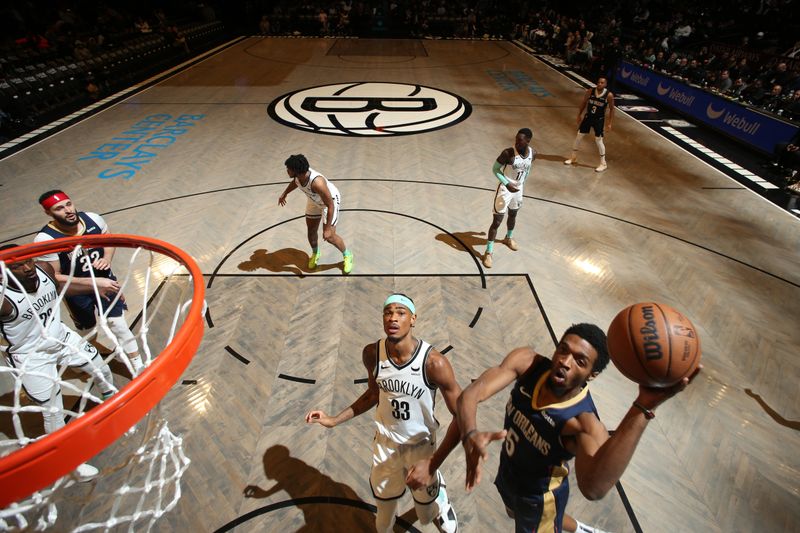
{"x":532,"y":478}
{"x":596,"y":107}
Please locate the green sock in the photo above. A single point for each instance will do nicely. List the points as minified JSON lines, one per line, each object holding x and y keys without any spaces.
{"x":316,"y":251}
{"x":509,"y":233}
{"x":347,"y":252}
{"x":489,"y":247}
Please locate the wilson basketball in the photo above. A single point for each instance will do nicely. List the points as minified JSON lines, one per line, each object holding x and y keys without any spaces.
{"x":653,"y":344}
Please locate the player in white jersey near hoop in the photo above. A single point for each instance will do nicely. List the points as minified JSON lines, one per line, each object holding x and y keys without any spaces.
{"x":508,"y":198}
{"x":37,"y":342}
{"x":323,"y":201}
{"x":404,"y":374}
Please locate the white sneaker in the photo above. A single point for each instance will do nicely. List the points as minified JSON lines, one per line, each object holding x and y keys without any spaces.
{"x":601,"y":168}
{"x":86,"y":472}
{"x":447,"y":522}
{"x":571,"y":161}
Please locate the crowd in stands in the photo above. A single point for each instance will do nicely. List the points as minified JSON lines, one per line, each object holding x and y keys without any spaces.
{"x":58,"y":57}
{"x":745,"y":50}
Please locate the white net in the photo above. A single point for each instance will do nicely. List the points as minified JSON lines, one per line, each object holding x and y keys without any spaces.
{"x":53,"y":375}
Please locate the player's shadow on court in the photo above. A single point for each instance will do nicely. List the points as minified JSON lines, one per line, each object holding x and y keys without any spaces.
{"x":289,"y":260}
{"x":558,"y":158}
{"x":300,"y":480}
{"x":470,"y":239}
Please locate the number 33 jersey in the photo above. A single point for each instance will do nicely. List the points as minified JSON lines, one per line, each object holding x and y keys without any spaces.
{"x":407,"y":399}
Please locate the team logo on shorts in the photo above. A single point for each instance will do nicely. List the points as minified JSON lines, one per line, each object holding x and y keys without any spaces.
{"x":369,"y":109}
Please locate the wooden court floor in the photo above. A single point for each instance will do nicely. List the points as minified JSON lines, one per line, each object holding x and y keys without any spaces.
{"x":657,"y":225}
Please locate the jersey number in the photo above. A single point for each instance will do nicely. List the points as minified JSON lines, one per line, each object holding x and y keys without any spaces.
{"x":511,"y":442}
{"x":88,"y":258}
{"x":400,"y":410}
{"x":44,"y":316}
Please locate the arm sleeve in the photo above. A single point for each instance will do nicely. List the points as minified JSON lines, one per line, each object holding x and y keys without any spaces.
{"x":497,"y":169}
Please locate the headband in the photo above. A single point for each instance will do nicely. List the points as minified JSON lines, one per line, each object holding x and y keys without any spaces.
{"x":402,"y":300}
{"x":52,"y":200}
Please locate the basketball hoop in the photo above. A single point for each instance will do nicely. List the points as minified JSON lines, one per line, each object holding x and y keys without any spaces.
{"x":41,"y":462}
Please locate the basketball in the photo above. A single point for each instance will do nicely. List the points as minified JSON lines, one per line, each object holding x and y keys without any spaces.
{"x":653,"y":344}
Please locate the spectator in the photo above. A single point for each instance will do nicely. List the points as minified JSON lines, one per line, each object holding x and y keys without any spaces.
{"x":723,"y":83}
{"x":263,"y":25}
{"x":774,"y":100}
{"x":754,"y":93}
{"x":736,"y":89}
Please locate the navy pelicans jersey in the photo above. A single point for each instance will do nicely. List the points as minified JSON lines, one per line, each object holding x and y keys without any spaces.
{"x":597,"y":105}
{"x":88,"y":224}
{"x":314,"y":197}
{"x":521,"y":165}
{"x":21,"y":328}
{"x":406,"y":399}
{"x":533,"y":459}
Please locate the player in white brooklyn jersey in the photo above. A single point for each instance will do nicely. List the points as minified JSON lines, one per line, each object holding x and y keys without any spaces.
{"x":508,"y":197}
{"x":37,"y":342}
{"x":404,"y":374}
{"x":323,"y":201}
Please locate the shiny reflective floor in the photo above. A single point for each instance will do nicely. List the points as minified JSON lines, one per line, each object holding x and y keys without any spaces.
{"x":657,"y":225}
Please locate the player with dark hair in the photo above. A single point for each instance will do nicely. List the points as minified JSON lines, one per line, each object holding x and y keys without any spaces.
{"x":595,"y":103}
{"x":508,"y":197}
{"x":404,"y":373}
{"x":551,"y":418}
{"x":37,"y":342}
{"x":323,"y":201}
{"x":67,"y":221}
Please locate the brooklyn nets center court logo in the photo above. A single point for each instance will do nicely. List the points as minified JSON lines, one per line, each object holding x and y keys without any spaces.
{"x":369,"y":109}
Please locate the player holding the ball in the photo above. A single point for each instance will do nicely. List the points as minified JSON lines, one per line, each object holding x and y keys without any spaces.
{"x":551,"y":418}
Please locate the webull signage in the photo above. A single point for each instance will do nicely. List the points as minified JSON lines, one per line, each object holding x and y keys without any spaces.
{"x":759,"y":130}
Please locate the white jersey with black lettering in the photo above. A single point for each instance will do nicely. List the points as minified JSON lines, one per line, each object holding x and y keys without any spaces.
{"x":407,"y":399}
{"x":314,"y":197}
{"x":21,"y":328}
{"x":522,"y":165}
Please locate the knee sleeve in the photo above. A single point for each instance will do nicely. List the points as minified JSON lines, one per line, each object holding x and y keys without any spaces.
{"x":124,"y":335}
{"x":426,"y":512}
{"x":601,"y":147}
{"x":578,"y":139}
{"x":384,"y":517}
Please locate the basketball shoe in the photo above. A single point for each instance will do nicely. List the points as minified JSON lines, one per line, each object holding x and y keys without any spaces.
{"x":511,"y":243}
{"x":447,"y":521}
{"x":583,"y":528}
{"x":86,"y":472}
{"x":571,"y":161}
{"x":487,"y":260}
{"x":601,"y":168}
{"x":348,"y":263}
{"x":313,"y":260}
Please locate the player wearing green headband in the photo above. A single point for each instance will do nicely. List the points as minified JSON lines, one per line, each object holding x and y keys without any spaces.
{"x":404,"y":374}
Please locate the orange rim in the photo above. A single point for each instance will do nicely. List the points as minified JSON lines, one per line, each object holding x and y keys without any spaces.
{"x":40,"y":463}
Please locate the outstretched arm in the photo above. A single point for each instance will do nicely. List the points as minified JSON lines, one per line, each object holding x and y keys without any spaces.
{"x":487,"y":385}
{"x":600,"y":460}
{"x":289,"y":188}
{"x":440,"y":373}
{"x":363,"y":403}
